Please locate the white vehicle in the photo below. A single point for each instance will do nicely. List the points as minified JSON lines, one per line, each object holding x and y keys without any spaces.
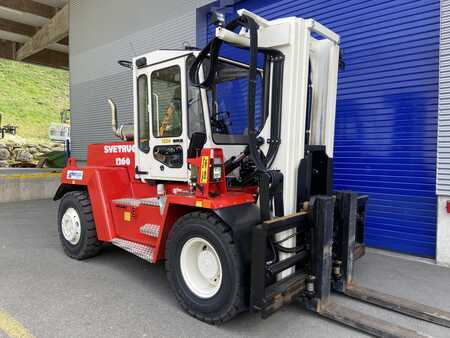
{"x":60,"y":132}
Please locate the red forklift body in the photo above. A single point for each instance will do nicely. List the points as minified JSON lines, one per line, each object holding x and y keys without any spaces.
{"x":130,"y":209}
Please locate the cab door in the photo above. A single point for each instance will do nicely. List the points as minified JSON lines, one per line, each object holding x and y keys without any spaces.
{"x":161,"y":120}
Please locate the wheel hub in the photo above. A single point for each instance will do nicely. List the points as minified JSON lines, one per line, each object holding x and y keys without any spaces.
{"x":207,"y":264}
{"x":71,"y":226}
{"x":201,"y":267}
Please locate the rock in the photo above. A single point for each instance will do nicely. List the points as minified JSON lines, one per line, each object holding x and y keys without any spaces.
{"x":39,"y":156}
{"x":24,"y":156}
{"x":4,"y":164}
{"x":32,"y":150}
{"x":4,"y":154}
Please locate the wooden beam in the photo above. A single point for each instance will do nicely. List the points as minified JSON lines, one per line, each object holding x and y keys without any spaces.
{"x":30,"y":6}
{"x":17,"y":28}
{"x":47,"y":57}
{"x":23,"y":29}
{"x":7,"y":49}
{"x":56,"y":29}
{"x":50,"y":58}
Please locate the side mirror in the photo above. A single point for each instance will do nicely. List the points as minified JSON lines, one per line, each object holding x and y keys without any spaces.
{"x":198,"y":140}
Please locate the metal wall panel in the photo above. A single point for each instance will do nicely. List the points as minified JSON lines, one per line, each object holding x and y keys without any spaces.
{"x":443,"y":163}
{"x":103,"y":32}
{"x":386,"y":123}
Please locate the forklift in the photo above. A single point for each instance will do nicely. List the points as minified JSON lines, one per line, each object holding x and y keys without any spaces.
{"x":226,"y":175}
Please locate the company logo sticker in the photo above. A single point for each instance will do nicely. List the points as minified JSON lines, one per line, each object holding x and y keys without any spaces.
{"x":118,"y":149}
{"x":75,"y":175}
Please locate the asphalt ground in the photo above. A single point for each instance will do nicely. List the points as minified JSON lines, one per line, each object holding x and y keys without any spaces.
{"x":43,"y":293}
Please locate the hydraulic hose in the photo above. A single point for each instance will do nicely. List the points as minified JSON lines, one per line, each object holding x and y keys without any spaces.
{"x":308,"y":108}
{"x":252,"y":142}
{"x":277,"y":95}
{"x":211,"y":52}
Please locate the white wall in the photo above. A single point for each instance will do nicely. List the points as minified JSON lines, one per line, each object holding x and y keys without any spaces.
{"x":443,"y":232}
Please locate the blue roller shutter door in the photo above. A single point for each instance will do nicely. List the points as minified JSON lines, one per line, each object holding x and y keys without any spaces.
{"x":386,"y":122}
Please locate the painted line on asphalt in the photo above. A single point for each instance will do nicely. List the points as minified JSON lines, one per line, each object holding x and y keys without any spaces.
{"x":12,"y":327}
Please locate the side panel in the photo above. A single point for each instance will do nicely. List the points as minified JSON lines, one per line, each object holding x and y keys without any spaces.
{"x":128,"y":221}
{"x":103,"y":185}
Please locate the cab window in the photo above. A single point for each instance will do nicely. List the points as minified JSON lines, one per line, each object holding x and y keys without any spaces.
{"x":143,"y":116}
{"x":228,"y":100}
{"x":166,"y":102}
{"x":196,"y":119}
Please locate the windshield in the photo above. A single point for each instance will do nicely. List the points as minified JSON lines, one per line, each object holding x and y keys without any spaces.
{"x":228,"y":103}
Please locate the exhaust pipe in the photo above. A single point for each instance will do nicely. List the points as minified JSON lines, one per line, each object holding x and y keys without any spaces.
{"x":126,"y":131}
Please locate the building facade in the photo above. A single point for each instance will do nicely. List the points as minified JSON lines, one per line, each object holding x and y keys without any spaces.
{"x":391,"y":125}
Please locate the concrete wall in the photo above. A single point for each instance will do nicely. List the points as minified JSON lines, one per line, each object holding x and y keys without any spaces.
{"x":32,"y":186}
{"x":443,"y":232}
{"x":105,"y":31}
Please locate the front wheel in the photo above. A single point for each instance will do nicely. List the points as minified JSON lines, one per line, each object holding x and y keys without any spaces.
{"x":76,"y":226}
{"x":204,"y":268}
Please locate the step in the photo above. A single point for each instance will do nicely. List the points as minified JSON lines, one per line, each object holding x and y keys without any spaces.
{"x":140,"y":250}
{"x":135,"y":202}
{"x":150,"y":230}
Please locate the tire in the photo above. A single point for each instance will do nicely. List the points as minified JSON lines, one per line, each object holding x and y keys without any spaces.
{"x":228,"y":300}
{"x":83,"y":242}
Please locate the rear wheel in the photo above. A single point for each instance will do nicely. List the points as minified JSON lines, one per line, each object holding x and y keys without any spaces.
{"x":76,"y":226}
{"x":204,"y":268}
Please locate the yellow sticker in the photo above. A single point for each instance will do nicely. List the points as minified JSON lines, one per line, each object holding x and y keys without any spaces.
{"x":204,"y":169}
{"x":127,"y":216}
{"x":165,"y":140}
{"x":199,"y":204}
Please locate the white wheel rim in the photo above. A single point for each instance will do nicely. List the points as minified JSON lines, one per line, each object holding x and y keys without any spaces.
{"x":71,"y":226}
{"x":201,"y":267}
